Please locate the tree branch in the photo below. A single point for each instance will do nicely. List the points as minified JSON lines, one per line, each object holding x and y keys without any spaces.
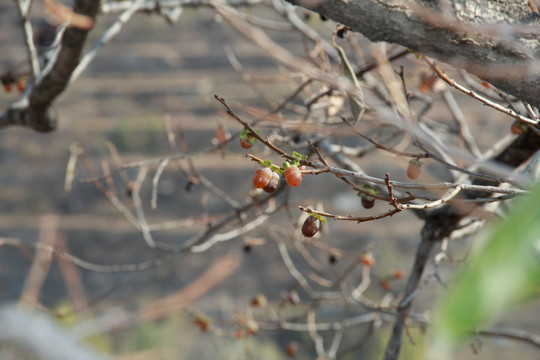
{"x":493,"y":40}
{"x":35,"y":111}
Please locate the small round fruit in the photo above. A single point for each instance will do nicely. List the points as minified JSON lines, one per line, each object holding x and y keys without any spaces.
{"x":398,"y":274}
{"x":293,"y":175}
{"x":518,"y":128}
{"x":414,"y":169}
{"x":368,"y":259}
{"x":273,"y":183}
{"x":367,"y":201}
{"x":262,"y":177}
{"x":292,"y":348}
{"x":21,"y":85}
{"x":385,"y":284}
{"x":202,"y":323}
{"x":311,"y":226}
{"x":245,"y":144}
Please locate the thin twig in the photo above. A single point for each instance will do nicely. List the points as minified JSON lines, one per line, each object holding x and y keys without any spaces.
{"x":477,"y":96}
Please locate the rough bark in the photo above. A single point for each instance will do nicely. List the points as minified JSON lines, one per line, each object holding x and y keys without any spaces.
{"x":494,"y":39}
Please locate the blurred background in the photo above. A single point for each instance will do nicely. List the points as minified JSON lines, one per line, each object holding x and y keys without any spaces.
{"x":151,"y":74}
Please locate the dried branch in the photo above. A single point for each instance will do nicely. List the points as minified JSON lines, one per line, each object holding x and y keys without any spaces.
{"x":35,"y":110}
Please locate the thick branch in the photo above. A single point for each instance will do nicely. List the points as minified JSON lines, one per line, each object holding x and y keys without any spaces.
{"x":36,"y":113}
{"x":496,"y":40}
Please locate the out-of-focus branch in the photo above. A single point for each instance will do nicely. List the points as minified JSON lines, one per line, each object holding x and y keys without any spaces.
{"x":108,"y":7}
{"x":35,"y":111}
{"x":38,"y":334}
{"x":494,"y":40}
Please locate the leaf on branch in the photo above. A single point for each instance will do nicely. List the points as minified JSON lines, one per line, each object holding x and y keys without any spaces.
{"x":61,"y":14}
{"x":355,"y":95}
{"x":503,"y":272}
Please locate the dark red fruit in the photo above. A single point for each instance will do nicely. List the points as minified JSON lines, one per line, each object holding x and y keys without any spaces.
{"x":311,"y":226}
{"x":262,"y":177}
{"x":292,"y":348}
{"x":244,"y":143}
{"x":367,"y":201}
{"x":293,"y":175}
{"x":273,"y":183}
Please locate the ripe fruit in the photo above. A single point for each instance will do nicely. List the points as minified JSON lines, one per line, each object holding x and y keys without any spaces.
{"x":367,"y":201}
{"x":201,"y":322}
{"x":518,"y":128}
{"x":244,"y":143}
{"x":262,"y":177}
{"x":293,"y":175}
{"x":311,"y":226}
{"x":273,"y":183}
{"x":398,"y":274}
{"x":21,"y":85}
{"x":292,"y":348}
{"x":368,"y":259}
{"x":259,"y":300}
{"x":414,"y":169}
{"x":385,"y":284}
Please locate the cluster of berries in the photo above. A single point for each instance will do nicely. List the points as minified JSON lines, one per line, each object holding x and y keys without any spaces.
{"x":267,"y":178}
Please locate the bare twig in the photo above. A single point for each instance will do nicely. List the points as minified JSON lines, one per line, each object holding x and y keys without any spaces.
{"x":478,"y":97}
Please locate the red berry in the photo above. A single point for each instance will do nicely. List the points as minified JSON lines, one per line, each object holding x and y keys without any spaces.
{"x":262,"y":177}
{"x":21,"y":85}
{"x":273,"y":183}
{"x":293,"y":175}
{"x":398,"y":274}
{"x":259,"y":300}
{"x":518,"y":128}
{"x":414,"y":169}
{"x":385,"y":284}
{"x":311,"y":226}
{"x":368,"y":259}
{"x":292,"y":348}
{"x":244,"y":143}
{"x":7,"y":87}
{"x":202,"y":322}
{"x":367,"y":201}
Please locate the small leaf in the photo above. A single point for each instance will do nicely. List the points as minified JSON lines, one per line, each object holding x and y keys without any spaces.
{"x":298,"y":155}
{"x":320,"y":217}
{"x":503,"y":272}
{"x":370,"y":189}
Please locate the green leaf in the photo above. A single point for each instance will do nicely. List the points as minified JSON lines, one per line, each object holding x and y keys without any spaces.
{"x":298,"y":155}
{"x":320,"y":217}
{"x":370,"y":189}
{"x":503,"y":272}
{"x":356,"y":96}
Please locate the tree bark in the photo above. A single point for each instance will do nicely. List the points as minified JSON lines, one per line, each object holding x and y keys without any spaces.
{"x":38,"y":113}
{"x":496,"y":40}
